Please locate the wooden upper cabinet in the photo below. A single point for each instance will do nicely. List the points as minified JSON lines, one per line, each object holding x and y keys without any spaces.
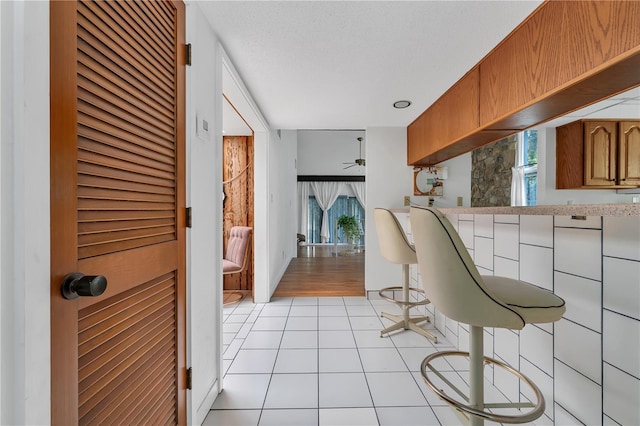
{"x":453,"y":116}
{"x":415,"y":132}
{"x":629,"y":155}
{"x":564,"y":56}
{"x":593,"y":154}
{"x":601,"y":153}
{"x":561,"y":42}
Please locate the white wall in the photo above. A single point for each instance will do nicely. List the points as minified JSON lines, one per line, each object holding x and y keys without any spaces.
{"x":204,"y":195}
{"x":2,"y":266}
{"x":547,"y":192}
{"x":25,"y":389}
{"x":389,"y":179}
{"x":282,"y":203}
{"x":322,"y":152}
{"x":457,"y":184}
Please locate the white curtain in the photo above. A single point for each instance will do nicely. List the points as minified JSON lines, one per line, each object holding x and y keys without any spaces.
{"x":518,"y":196}
{"x":359,"y":190}
{"x":326,"y":194}
{"x":303,"y":208}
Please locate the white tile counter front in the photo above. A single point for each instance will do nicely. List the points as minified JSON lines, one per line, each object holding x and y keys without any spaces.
{"x":588,"y":363}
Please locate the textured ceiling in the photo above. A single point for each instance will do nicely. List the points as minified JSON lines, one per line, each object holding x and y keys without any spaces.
{"x":342,"y":64}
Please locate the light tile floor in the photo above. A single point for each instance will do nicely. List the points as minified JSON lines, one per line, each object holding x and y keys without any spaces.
{"x":321,"y":361}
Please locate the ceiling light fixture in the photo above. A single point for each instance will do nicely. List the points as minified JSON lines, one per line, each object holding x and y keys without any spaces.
{"x":401,"y":104}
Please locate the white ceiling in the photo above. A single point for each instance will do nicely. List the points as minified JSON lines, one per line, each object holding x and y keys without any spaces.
{"x":342,"y":64}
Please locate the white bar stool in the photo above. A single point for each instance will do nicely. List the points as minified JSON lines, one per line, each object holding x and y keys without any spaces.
{"x":458,"y":290}
{"x":395,"y":247}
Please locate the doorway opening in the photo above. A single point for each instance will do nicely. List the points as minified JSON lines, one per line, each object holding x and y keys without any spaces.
{"x":238,"y":201}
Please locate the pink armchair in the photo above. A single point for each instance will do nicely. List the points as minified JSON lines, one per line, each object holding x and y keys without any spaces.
{"x":235,"y":259}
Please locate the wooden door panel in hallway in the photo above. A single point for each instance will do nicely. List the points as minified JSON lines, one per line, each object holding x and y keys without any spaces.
{"x":318,"y":272}
{"x":118,"y":211}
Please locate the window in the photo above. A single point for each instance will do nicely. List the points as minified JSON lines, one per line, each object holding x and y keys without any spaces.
{"x":344,"y":205}
{"x":527,"y":159}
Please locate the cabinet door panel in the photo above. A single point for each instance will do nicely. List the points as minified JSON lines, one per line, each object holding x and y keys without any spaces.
{"x":629,"y":167}
{"x":600,"y":149}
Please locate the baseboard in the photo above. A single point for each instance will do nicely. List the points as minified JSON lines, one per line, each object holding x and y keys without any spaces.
{"x":207,"y":403}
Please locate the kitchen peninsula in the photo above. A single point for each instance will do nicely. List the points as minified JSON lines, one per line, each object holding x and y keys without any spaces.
{"x":627,"y":209}
{"x":586,"y":364}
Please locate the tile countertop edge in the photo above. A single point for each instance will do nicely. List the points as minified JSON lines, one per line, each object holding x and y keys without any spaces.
{"x":630,"y":209}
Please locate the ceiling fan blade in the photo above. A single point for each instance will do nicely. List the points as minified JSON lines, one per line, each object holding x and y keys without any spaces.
{"x":348,"y":167}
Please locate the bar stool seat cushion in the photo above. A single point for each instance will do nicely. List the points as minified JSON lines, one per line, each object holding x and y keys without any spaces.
{"x":533,"y":304}
{"x":456,"y":288}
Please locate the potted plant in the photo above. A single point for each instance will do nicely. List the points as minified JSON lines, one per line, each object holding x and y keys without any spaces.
{"x":350,"y":230}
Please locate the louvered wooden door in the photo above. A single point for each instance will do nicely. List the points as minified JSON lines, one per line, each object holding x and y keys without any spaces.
{"x":117,"y":210}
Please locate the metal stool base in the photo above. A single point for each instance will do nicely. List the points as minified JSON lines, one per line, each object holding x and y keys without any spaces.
{"x":404,"y":321}
{"x":468,"y":410}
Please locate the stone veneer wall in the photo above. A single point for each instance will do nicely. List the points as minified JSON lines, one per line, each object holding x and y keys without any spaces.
{"x":491,"y":173}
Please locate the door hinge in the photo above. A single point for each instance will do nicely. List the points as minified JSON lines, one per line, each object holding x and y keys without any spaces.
{"x":188,"y":217}
{"x":189,"y":378}
{"x":187,"y":54}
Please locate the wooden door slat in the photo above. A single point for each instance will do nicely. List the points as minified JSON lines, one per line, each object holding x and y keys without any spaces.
{"x":91,"y":240}
{"x":143,"y":141}
{"x":125,"y":194}
{"x":122,"y":225}
{"x":100,"y":373}
{"x":101,"y":150}
{"x":105,"y":205}
{"x":91,"y":47}
{"x":163,"y":413}
{"x":115,"y":184}
{"x":106,"y":397}
{"x":94,"y":94}
{"x":98,"y":92}
{"x":102,"y":249}
{"x":157,"y":154}
{"x":92,"y":105}
{"x":103,"y":171}
{"x":97,"y":363}
{"x":157,"y":29}
{"x":134,"y":294}
{"x":95,"y":20}
{"x":115,"y":328}
{"x":166,"y":13}
{"x":89,"y":216}
{"x":110,"y":76}
{"x":158,"y":386}
{"x":157,"y":170}
{"x":160,"y":48}
{"x":127,"y":61}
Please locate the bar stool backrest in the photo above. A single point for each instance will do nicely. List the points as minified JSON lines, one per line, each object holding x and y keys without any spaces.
{"x":450,"y":277}
{"x":393,"y":242}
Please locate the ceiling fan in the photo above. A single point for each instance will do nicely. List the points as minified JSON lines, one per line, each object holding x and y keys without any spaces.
{"x":358,"y":161}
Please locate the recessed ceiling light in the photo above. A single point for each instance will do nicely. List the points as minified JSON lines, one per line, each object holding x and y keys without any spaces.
{"x":401,"y":104}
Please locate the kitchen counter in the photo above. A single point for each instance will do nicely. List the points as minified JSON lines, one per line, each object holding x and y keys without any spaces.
{"x":629,"y":209}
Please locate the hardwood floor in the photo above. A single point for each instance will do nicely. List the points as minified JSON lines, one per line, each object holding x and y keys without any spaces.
{"x":318,"y":272}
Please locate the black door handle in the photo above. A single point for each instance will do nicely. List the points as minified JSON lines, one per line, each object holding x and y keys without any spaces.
{"x":77,"y":284}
